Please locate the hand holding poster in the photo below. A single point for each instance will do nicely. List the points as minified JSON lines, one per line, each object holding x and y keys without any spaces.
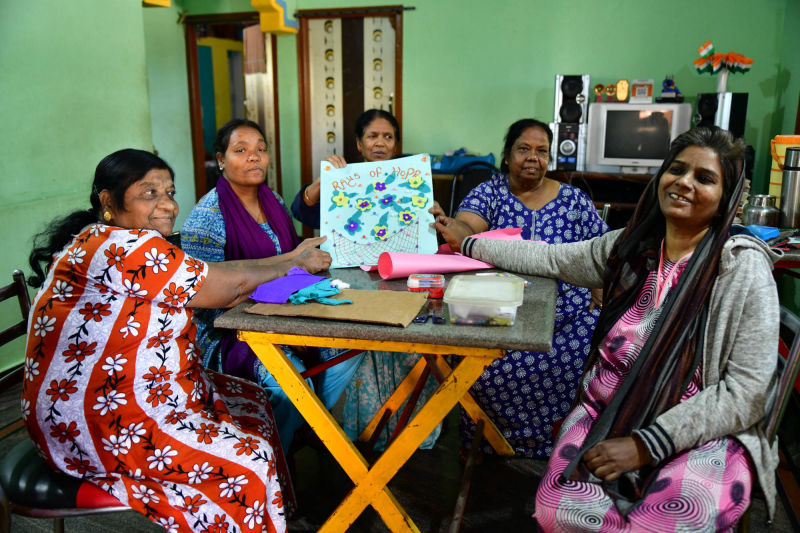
{"x":370,"y":208}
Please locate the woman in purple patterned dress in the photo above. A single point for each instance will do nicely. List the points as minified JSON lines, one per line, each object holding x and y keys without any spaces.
{"x":524,"y":393}
{"x":667,"y":431}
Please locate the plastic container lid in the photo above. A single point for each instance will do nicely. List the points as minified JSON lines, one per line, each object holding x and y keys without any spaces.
{"x":424,"y":281}
{"x":494,"y":291}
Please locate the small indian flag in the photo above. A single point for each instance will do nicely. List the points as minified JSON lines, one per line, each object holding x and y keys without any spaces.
{"x":706,"y":49}
{"x":716,"y":62}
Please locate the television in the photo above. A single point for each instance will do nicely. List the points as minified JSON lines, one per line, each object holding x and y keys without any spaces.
{"x":633,"y":138}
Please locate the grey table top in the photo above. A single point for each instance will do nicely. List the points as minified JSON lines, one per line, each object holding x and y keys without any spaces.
{"x":532,"y":329}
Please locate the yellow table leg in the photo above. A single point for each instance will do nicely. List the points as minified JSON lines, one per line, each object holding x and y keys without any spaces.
{"x":490,"y":431}
{"x":396,"y":399}
{"x":331,"y":434}
{"x":369,"y":488}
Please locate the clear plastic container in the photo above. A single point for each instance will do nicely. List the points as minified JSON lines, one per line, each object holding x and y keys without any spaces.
{"x":484,"y":300}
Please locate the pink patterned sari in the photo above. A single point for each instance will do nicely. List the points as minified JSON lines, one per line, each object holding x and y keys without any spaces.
{"x":702,"y":489}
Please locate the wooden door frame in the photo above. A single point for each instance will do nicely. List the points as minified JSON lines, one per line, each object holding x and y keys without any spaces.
{"x":303,"y":74}
{"x":195,"y":109}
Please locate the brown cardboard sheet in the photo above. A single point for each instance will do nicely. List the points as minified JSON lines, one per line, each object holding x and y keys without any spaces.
{"x":395,"y":308}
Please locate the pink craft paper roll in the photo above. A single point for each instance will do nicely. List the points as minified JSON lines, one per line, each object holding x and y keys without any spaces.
{"x":398,"y":265}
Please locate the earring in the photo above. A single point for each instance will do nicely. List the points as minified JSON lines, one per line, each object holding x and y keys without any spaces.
{"x":107,"y":216}
{"x":221,"y":166}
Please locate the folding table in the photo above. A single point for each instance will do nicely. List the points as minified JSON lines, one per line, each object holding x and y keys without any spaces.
{"x":476,"y":345}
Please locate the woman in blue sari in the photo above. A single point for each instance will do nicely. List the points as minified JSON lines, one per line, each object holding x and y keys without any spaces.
{"x":524,"y":393}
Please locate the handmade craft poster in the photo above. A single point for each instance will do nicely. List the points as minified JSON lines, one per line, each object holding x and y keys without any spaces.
{"x":370,"y":208}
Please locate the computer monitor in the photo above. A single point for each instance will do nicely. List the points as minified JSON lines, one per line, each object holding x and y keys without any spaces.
{"x":633,"y":138}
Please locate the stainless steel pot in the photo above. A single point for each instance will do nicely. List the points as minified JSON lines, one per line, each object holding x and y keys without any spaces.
{"x":761,"y":210}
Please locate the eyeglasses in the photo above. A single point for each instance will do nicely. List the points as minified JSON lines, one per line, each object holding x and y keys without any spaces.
{"x":431,"y":310}
{"x":540,"y":154}
{"x":422,"y":319}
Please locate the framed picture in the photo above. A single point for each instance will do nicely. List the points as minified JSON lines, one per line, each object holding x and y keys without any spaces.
{"x":641,"y":92}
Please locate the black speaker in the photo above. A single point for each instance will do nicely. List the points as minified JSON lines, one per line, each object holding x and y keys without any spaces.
{"x":572,"y":97}
{"x":726,"y":110}
{"x":569,"y":146}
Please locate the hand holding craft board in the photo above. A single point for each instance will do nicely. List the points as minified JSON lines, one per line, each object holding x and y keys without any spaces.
{"x":370,"y":208}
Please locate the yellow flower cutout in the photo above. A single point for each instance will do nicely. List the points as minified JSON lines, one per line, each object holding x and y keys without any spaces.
{"x":363,"y":204}
{"x":341,"y":199}
{"x":415,"y":181}
{"x":419,"y":201}
{"x":406,"y":217}
{"x":380,"y":232}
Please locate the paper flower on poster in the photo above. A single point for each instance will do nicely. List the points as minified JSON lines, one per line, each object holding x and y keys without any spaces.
{"x":721,"y":64}
{"x":371,"y":208}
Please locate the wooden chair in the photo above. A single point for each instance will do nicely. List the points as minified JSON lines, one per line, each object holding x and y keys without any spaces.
{"x":28,"y":486}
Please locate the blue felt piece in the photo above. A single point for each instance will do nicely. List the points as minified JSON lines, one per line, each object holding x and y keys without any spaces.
{"x":318,"y":292}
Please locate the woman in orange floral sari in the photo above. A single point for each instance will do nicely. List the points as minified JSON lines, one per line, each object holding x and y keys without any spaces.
{"x":114,"y":391}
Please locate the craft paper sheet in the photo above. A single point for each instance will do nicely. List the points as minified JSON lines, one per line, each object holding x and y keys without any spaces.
{"x":370,"y":208}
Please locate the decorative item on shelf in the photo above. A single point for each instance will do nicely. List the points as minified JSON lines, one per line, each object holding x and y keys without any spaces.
{"x":611,"y":90}
{"x":641,"y":92}
{"x":622,"y":90}
{"x":720,"y":64}
{"x":669,"y":91}
{"x":598,"y":90}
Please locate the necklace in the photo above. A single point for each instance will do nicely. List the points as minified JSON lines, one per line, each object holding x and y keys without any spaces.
{"x":258,"y":216}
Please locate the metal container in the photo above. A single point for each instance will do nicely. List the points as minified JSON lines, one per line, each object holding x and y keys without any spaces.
{"x":790,"y":189}
{"x":761,"y":210}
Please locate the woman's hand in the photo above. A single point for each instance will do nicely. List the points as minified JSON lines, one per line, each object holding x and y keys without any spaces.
{"x":455,"y":230}
{"x":312,"y":192}
{"x":611,"y":458}
{"x":307,"y":256}
{"x":436,"y":210}
{"x":336,"y":160}
{"x":597,"y":300}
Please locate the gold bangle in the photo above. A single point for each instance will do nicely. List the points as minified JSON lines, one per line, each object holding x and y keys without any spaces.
{"x":305,"y":195}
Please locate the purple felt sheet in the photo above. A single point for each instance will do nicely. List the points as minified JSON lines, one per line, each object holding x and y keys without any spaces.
{"x":278,"y":290}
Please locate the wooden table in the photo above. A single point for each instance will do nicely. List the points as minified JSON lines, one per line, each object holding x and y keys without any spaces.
{"x":478,"y":346}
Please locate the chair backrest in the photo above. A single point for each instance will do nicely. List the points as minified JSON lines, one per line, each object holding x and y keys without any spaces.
{"x":467,"y":178}
{"x":788,"y":366}
{"x":16,"y":289}
{"x":604,"y":212}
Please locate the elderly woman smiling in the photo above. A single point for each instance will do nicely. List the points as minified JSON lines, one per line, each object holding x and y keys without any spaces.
{"x":114,"y":390}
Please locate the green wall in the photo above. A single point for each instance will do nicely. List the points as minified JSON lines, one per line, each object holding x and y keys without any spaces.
{"x":472,"y":67}
{"x":82,"y":79}
{"x":169,"y":99}
{"x":73,"y":88}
